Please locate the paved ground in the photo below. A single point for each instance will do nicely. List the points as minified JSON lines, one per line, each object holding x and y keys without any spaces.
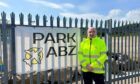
{"x":136,"y":80}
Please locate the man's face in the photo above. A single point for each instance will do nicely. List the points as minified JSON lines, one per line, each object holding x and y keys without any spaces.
{"x":91,"y":32}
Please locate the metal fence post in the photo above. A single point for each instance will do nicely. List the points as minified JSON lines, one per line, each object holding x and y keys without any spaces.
{"x":109,"y":50}
{"x":13,"y":52}
{"x":4,"y":33}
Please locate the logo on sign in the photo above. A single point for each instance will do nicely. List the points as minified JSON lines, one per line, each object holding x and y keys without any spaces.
{"x":33,"y":56}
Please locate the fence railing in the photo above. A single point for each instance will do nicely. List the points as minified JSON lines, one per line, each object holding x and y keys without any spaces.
{"x":122,"y":39}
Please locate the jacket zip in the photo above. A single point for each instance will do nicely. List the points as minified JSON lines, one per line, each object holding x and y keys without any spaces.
{"x":90,"y":51}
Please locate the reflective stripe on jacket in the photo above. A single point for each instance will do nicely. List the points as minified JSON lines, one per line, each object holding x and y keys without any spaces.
{"x":92,"y":52}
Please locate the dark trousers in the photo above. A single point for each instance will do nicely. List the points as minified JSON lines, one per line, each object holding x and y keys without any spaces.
{"x":89,"y":77}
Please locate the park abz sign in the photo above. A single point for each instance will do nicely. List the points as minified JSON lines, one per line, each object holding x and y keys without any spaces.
{"x":40,"y":48}
{"x":64,"y":37}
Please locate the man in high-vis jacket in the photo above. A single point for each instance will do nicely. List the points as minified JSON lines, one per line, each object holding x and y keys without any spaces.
{"x":92,"y":56}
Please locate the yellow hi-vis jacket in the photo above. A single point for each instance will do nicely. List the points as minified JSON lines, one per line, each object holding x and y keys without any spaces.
{"x":93,"y":51}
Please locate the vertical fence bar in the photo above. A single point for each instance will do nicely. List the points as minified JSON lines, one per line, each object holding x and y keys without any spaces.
{"x":44,"y":20}
{"x":101,"y":28}
{"x":9,"y":43}
{"x":136,"y":56}
{"x":13,"y":49}
{"x":22,"y":74}
{"x":1,"y":54}
{"x":64,"y":22}
{"x":29,"y":19}
{"x":81,"y":23}
{"x":71,"y":59}
{"x":132,"y":52}
{"x":138,"y":51}
{"x":118,"y":45}
{"x":46,"y":67}
{"x":96,"y":24}
{"x":129,"y":52}
{"x":4,"y":32}
{"x":70,"y":22}
{"x":106,"y":63}
{"x":65,"y":68}
{"x":71,"y":64}
{"x":38,"y":45}
{"x":82,"y":36}
{"x":37,"y":20}
{"x":125,"y":48}
{"x":91,"y":22}
{"x":22,"y":57}
{"x":53,"y":63}
{"x":114,"y":50}
{"x":110,"y":49}
{"x":51,"y":21}
{"x":59,"y":58}
{"x":58,"y":21}
{"x":21,"y":17}
{"x":87,"y":23}
{"x":135,"y":50}
{"x":30,"y":45}
{"x":119,"y":52}
{"x":77,"y":65}
{"x":39,"y":64}
{"x":135,"y":68}
{"x":121,"y":44}
{"x":76,"y":22}
{"x":76,"y":73}
{"x":105,"y":30}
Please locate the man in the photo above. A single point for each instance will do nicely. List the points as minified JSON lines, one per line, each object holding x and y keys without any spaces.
{"x":92,"y":55}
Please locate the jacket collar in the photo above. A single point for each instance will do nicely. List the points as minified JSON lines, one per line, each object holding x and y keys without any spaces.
{"x":92,"y":38}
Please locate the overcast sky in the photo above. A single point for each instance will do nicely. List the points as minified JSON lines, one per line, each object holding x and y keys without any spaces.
{"x":90,"y":9}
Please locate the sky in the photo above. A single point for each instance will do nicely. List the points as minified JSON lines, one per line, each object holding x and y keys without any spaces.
{"x":86,"y":9}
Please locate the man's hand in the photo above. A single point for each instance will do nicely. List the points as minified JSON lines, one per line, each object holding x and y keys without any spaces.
{"x":89,"y":68}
